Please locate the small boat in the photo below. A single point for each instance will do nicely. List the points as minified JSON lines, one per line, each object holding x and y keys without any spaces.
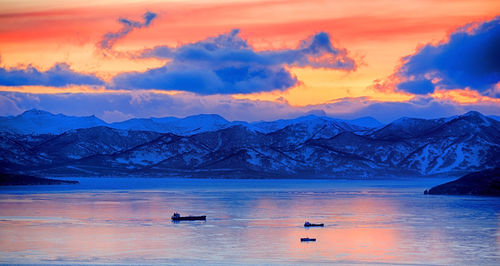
{"x":308,"y":224}
{"x":307,"y":239}
{"x":178,"y":217}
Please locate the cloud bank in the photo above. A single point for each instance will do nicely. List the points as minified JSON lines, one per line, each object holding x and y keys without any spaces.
{"x":226,"y":64}
{"x":59,"y":75}
{"x":469,"y":59}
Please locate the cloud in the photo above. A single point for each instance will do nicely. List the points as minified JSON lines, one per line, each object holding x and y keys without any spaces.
{"x":469,"y":59}
{"x":59,"y":75}
{"x":110,"y":38}
{"x":119,"y":106}
{"x":8,"y":106}
{"x":316,"y":51}
{"x":226,"y":64}
{"x":423,"y":86}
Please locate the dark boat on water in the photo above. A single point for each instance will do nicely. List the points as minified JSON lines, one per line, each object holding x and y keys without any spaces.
{"x":308,"y":224}
{"x":178,"y":217}
{"x":307,"y":239}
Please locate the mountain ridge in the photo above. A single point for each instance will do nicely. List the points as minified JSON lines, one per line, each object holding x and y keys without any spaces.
{"x":312,"y":146}
{"x":36,"y":121}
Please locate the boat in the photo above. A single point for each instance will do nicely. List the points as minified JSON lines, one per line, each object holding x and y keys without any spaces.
{"x":178,"y":217}
{"x":308,"y":224}
{"x":307,"y":239}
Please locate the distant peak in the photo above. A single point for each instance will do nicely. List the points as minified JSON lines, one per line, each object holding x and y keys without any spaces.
{"x":319,"y":112}
{"x":36,"y":112}
{"x":403,"y":119}
{"x":476,"y":117}
{"x":472,"y":114}
{"x":206,"y":116}
{"x":308,"y":116}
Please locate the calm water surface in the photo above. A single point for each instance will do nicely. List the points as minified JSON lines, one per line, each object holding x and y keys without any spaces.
{"x":127,"y":221}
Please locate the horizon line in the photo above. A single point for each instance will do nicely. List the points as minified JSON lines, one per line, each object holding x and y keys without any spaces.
{"x":291,"y":117}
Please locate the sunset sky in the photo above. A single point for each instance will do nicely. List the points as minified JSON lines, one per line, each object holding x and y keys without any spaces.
{"x":250,"y":60}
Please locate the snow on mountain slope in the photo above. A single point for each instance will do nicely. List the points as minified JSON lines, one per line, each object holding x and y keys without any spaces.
{"x":199,"y":123}
{"x":166,"y":147}
{"x":467,"y":142}
{"x":145,"y":124}
{"x":180,"y":126}
{"x":313,"y":123}
{"x":42,"y":122}
{"x":309,"y":146}
{"x":406,"y":127}
{"x":84,"y":142}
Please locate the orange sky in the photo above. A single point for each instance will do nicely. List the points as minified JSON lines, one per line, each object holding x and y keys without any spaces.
{"x":377,"y":35}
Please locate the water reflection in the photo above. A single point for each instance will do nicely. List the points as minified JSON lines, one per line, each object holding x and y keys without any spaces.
{"x":362,"y":225}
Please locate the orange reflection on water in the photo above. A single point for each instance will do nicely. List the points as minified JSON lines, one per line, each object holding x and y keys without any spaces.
{"x":366,"y":244}
{"x":82,"y":226}
{"x":364,"y":236}
{"x":363,"y":226}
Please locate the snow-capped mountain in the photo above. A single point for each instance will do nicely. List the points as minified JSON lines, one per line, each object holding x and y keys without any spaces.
{"x":181,"y":126}
{"x":41,"y":122}
{"x":38,"y":122}
{"x":314,"y":122}
{"x":310,"y":146}
{"x":466,"y":142}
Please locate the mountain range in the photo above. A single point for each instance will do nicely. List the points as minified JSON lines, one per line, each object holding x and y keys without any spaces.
{"x":41,"y":122}
{"x":40,"y":143}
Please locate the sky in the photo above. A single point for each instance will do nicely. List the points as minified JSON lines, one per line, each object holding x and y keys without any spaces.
{"x":250,"y":60}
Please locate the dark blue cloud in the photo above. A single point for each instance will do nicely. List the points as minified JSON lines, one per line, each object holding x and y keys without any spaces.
{"x":110,"y":38}
{"x":226,"y":64}
{"x":470,"y":58}
{"x":225,"y":80}
{"x":59,"y":75}
{"x":423,"y":86}
{"x":318,"y":52}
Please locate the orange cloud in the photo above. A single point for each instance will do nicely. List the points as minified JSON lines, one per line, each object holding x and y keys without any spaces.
{"x":463,"y":96}
{"x":379,"y":31}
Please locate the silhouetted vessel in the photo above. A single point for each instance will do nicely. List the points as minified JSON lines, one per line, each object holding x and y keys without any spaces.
{"x":307,"y":239}
{"x":178,"y":217}
{"x":308,"y":224}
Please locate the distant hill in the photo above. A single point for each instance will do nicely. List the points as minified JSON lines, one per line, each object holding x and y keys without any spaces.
{"x":482,"y":183}
{"x":23,"y":180}
{"x":496,"y":117}
{"x":210,"y":146}
{"x":42,"y":122}
{"x":180,"y":126}
{"x":37,"y":122}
